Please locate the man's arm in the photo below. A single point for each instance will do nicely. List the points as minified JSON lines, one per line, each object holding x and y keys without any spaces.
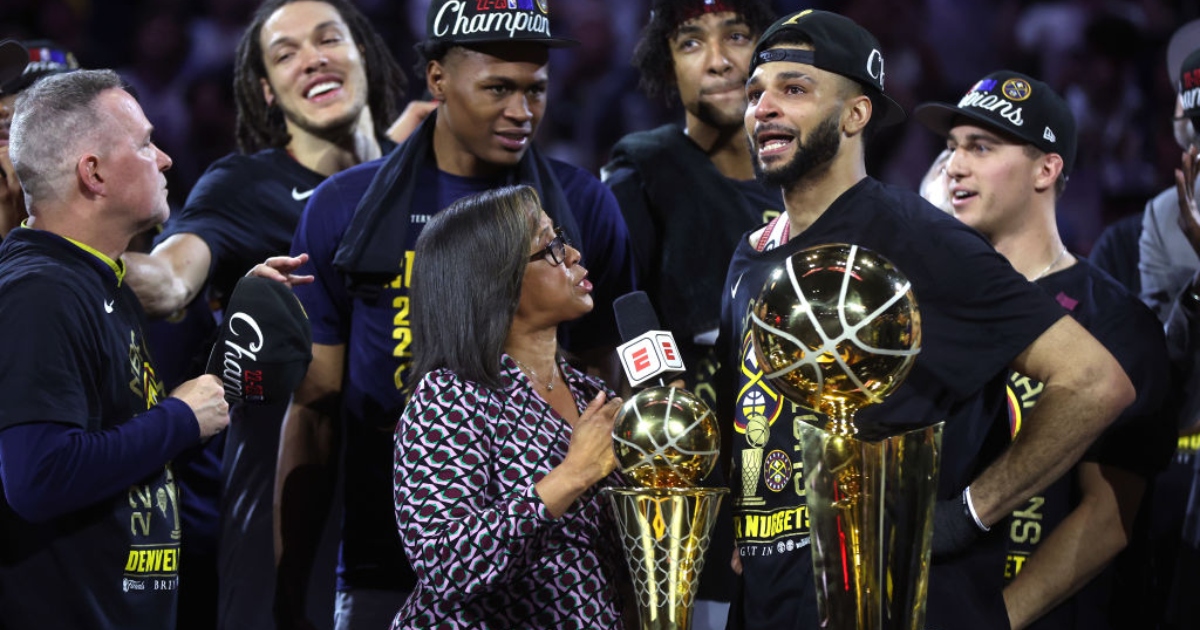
{"x":170,"y":276}
{"x":1080,"y":547}
{"x":1084,"y":391}
{"x":304,"y":479}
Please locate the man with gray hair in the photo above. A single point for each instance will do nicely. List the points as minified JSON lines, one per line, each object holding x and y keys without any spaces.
{"x":90,"y":510}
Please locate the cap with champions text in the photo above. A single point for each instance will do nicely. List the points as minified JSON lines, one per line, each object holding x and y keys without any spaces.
{"x":1013,"y":104}
{"x":466,"y":22}
{"x":264,"y":345}
{"x":839,"y":45}
{"x":1189,"y":85}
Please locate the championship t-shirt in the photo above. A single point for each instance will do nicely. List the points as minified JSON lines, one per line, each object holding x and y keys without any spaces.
{"x":977,"y":315}
{"x":82,"y":362}
{"x":1140,"y":441}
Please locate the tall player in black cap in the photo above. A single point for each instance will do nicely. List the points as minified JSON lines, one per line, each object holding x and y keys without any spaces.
{"x":486,"y":63}
{"x":815,"y":92}
{"x":1012,"y":142}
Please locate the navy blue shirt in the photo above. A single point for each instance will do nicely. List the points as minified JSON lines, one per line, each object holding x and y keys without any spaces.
{"x":89,"y":525}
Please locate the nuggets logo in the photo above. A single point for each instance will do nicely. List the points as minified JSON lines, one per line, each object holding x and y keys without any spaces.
{"x":143,"y":382}
{"x":543,"y":6}
{"x":755,"y":398}
{"x":777,"y":470}
{"x":1016,"y":89}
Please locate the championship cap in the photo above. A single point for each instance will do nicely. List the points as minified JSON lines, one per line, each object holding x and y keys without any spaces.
{"x":839,"y":46}
{"x":1184,"y":41}
{"x":264,"y":345}
{"x":13,"y":58}
{"x":1189,"y":85}
{"x":44,"y":58}
{"x":466,"y":22}
{"x":1014,"y":104}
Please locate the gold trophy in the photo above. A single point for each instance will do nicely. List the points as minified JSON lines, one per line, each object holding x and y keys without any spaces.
{"x":835,"y":329}
{"x":666,"y":440}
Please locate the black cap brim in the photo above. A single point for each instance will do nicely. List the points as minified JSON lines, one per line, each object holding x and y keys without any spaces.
{"x":893,"y":113}
{"x":940,"y":118}
{"x":13,"y":59}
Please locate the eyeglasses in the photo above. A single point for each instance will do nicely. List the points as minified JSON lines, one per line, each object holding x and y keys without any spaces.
{"x":557,"y":249}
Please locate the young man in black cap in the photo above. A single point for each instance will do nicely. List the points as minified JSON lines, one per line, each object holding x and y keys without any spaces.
{"x":486,"y":65}
{"x":91,"y":511}
{"x":1012,"y":144}
{"x":815,"y":91}
{"x":1170,"y":273}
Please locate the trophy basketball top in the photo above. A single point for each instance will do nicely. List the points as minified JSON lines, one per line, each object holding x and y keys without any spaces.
{"x":666,"y":437}
{"x":836,"y":328}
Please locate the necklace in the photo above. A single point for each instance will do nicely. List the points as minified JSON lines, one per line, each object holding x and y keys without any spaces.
{"x":1051,"y":265}
{"x":534,"y":377}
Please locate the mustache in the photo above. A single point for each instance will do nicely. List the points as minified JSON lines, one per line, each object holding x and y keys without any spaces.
{"x":773,"y":128}
{"x":724,"y":86}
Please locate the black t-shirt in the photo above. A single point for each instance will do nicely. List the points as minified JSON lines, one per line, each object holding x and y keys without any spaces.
{"x":1140,"y":441}
{"x":81,"y":360}
{"x":977,"y":315}
{"x":245,"y":208}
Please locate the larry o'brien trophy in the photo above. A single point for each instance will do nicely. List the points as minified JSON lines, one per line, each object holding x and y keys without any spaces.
{"x":835,"y":329}
{"x":666,"y":440}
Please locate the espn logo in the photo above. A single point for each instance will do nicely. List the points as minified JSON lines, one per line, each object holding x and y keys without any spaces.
{"x":648,"y":355}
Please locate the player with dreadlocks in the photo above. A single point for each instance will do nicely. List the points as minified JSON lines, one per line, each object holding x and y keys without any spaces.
{"x":316,"y":89}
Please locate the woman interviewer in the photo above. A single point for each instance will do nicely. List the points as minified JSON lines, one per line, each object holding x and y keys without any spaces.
{"x":503,"y":446}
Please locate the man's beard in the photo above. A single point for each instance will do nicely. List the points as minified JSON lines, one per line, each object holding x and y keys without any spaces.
{"x":810,"y":156}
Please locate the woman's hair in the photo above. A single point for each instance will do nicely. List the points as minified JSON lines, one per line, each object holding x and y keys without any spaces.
{"x":261,"y":126}
{"x":466,"y":282}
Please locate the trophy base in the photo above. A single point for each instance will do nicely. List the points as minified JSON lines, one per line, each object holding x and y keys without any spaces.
{"x":665,"y":534}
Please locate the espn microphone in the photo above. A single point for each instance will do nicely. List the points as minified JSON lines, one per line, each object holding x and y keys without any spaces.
{"x":646,"y":352}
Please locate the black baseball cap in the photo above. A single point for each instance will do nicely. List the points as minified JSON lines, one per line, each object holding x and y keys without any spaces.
{"x":466,"y":22}
{"x":264,"y":345}
{"x":43,"y":58}
{"x":1189,"y":85}
{"x":839,"y":46}
{"x":1013,"y":104}
{"x":13,"y":58}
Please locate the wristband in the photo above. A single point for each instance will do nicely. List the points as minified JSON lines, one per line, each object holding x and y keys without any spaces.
{"x":971,"y":510}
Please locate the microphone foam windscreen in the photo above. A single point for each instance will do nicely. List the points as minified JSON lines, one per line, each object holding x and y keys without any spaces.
{"x":635,"y":316}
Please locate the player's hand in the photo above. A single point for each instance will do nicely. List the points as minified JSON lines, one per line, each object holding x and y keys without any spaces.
{"x":280,"y":268}
{"x":591,"y":452}
{"x":1185,"y":188}
{"x":206,"y":396}
{"x":12,"y":198}
{"x":735,"y":563}
{"x":413,"y":115}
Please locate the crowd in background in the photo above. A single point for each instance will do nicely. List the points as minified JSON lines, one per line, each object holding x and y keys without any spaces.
{"x":1104,"y":56}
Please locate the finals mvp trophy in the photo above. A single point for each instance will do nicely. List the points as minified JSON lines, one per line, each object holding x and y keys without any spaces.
{"x":835,"y":329}
{"x":666,"y":440}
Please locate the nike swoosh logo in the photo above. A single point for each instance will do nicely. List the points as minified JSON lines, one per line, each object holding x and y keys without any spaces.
{"x":108,"y":306}
{"x":301,"y":196}
{"x":733,"y":291}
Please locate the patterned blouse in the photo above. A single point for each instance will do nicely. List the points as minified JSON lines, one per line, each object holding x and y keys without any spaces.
{"x":484,"y":548}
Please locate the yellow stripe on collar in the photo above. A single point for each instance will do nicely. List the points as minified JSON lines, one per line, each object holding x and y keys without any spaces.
{"x":118,"y":266}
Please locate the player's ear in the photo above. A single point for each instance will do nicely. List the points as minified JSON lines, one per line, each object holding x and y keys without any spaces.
{"x":268,"y":93}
